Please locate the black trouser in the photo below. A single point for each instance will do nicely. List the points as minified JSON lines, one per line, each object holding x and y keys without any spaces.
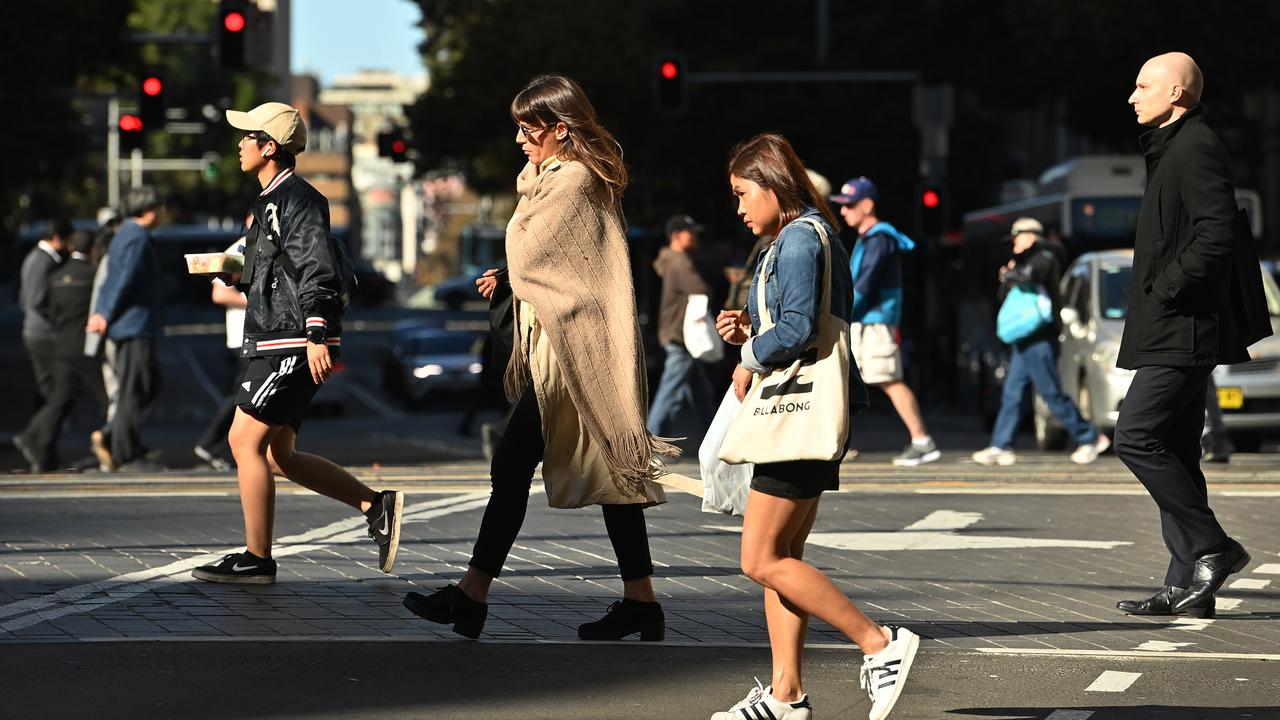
{"x":512,"y":474}
{"x":1158,"y":439}
{"x":214,"y":438}
{"x":138,"y":374}
{"x":42,"y":352}
{"x":72,"y":375}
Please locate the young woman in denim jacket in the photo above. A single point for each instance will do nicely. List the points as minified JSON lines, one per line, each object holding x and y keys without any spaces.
{"x":773,"y":194}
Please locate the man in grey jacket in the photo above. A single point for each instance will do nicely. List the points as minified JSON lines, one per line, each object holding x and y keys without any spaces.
{"x":38,"y":336}
{"x":683,"y":381}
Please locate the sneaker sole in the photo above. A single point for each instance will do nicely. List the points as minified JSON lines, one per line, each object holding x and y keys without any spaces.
{"x":395,"y":534}
{"x":233,"y":579}
{"x":932,"y":456}
{"x":912,"y":646}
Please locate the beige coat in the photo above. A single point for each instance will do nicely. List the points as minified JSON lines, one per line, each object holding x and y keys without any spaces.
{"x":575,"y":470}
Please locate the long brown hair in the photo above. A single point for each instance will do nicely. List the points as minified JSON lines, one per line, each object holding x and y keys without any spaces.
{"x":550,"y":99}
{"x":769,"y":161}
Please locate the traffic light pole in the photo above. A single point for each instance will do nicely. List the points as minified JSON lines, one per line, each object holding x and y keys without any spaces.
{"x":113,"y":152}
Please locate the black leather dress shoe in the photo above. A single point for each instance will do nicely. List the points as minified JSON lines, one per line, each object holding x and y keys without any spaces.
{"x":625,"y":618}
{"x":1162,"y":604}
{"x":450,"y":605}
{"x":1210,"y":572}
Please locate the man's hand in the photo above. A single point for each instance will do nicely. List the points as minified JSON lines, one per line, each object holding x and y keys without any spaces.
{"x":97,"y":324}
{"x":742,"y":382}
{"x":734,"y":326}
{"x":487,"y":282}
{"x":320,"y":362}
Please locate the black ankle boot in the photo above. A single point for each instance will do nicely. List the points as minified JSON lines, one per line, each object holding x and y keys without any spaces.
{"x":626,"y":618}
{"x":450,"y":605}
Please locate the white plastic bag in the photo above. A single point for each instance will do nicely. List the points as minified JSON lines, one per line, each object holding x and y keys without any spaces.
{"x":700,"y":336}
{"x":724,"y":486}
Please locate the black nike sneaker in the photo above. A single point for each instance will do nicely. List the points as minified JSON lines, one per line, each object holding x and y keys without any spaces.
{"x":384,"y":526}
{"x":242,"y":567}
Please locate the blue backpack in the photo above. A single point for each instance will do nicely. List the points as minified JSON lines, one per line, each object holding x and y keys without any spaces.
{"x":1025,"y":310}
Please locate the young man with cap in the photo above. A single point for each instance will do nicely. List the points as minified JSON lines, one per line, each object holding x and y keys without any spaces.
{"x":683,"y":380}
{"x":876,"y":264}
{"x":1034,"y":359}
{"x":292,"y":332}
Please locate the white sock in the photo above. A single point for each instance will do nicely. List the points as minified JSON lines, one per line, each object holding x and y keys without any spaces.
{"x":923,"y":442}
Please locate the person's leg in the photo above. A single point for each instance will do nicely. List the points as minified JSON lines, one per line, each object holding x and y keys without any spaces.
{"x":675,"y":376}
{"x":122,"y":434}
{"x":1152,"y":424}
{"x":768,"y":528}
{"x":1215,"y":441}
{"x":41,"y":353}
{"x":1015,"y":382}
{"x":908,"y":408}
{"x":40,"y":436}
{"x":250,"y":439}
{"x":787,"y":624}
{"x":630,"y":539}
{"x":1042,"y":365}
{"x":511,"y":475}
{"x":317,"y":474}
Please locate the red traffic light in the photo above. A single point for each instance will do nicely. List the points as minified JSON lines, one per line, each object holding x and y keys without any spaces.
{"x":233,"y":21}
{"x":930,"y":199}
{"x":130,"y":123}
{"x":669,"y":70}
{"x":397,"y":146}
{"x":152,"y":86}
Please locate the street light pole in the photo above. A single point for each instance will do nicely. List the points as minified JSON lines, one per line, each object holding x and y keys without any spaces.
{"x":113,"y":153}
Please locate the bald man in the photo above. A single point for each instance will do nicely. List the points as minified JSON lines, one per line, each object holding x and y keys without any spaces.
{"x":1179,"y":326}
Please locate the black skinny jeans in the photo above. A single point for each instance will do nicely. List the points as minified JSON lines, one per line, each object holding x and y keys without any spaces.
{"x":511,"y":474}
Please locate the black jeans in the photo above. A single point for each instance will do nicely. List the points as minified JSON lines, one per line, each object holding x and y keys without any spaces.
{"x":512,"y":475}
{"x":42,"y":352}
{"x":1158,"y":439}
{"x":72,"y":376}
{"x":138,"y":374}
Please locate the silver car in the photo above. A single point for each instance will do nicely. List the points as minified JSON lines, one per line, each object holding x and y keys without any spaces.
{"x":1095,"y":292}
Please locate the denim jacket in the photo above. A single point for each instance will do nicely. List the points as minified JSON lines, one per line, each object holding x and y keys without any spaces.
{"x":793,"y":285}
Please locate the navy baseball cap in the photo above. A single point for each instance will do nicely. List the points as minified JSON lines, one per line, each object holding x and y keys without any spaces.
{"x":855,"y":190}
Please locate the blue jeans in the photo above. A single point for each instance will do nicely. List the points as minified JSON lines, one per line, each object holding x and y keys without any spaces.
{"x":1037,"y":362}
{"x":683,"y":385}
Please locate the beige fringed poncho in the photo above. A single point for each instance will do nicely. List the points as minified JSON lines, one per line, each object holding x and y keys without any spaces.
{"x":567,"y":258}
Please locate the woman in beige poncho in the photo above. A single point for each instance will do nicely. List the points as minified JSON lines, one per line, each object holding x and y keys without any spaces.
{"x":577,"y":371}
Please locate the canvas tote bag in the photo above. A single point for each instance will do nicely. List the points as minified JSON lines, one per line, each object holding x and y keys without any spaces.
{"x":800,"y":412}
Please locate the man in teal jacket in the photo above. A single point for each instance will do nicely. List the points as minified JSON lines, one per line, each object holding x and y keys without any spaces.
{"x":876,"y":264}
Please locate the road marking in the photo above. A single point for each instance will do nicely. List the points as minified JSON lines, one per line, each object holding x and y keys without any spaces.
{"x":1266,"y":657}
{"x":945,"y":520}
{"x":1187,"y":623}
{"x":1070,"y":715}
{"x":943,"y":537}
{"x":1227,"y":603}
{"x":1113,"y":681}
{"x":1249,"y":584}
{"x":36,"y":610}
{"x":1161,"y":646}
{"x":1268,"y":569}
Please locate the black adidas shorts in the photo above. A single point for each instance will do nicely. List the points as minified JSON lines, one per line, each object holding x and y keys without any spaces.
{"x":277,"y":389}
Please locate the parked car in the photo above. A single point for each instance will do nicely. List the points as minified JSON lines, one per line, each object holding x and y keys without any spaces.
{"x":422,"y":362}
{"x":1095,"y":299}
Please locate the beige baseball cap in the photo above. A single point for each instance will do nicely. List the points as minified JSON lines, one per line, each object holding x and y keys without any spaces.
{"x":1026,"y":225}
{"x":280,"y":122}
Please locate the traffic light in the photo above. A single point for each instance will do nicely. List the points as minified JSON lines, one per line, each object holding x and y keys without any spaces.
{"x":391,"y":144}
{"x":233,"y":19}
{"x":668,"y":83}
{"x":151,"y":100}
{"x":931,"y":210}
{"x":130,"y":132}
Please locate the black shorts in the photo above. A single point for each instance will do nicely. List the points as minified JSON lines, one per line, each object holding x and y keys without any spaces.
{"x":797,"y":479}
{"x":277,"y":389}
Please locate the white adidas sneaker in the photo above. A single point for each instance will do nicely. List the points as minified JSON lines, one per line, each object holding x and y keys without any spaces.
{"x":884,"y":674}
{"x":760,"y":704}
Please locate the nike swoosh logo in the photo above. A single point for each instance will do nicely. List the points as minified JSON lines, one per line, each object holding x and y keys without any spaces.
{"x":237,"y":568}
{"x":386,"y":523}
{"x":786,"y":387}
